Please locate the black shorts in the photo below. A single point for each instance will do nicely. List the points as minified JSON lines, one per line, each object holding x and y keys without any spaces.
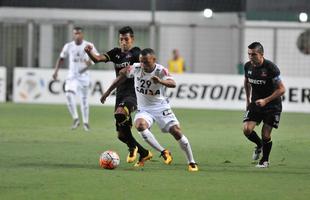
{"x":130,"y":103}
{"x":268,"y":116}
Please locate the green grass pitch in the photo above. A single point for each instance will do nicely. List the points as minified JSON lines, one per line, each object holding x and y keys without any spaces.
{"x":41,"y":158}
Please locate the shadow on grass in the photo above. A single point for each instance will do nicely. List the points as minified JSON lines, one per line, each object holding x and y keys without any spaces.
{"x":60,"y":165}
{"x":160,"y":167}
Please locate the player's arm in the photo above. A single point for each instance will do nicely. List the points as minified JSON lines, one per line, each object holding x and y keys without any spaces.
{"x":164,"y":78}
{"x":60,"y":61}
{"x":93,"y":56}
{"x":119,"y":80}
{"x":276,"y":94}
{"x":170,"y":83}
{"x":247,"y":88}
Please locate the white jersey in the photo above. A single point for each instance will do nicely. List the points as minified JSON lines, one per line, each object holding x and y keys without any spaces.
{"x":149,"y":94}
{"x":77,"y":58}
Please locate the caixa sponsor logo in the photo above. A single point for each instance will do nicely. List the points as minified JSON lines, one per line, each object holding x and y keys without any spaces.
{"x":57,"y":87}
{"x":30,"y":86}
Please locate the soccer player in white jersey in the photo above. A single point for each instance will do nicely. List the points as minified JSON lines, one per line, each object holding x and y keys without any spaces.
{"x":78,"y":80}
{"x":150,"y":81}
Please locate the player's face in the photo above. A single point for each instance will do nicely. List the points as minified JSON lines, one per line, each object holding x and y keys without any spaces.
{"x":125,"y":41}
{"x":255,"y":57}
{"x":147,"y":62}
{"x":78,"y":36}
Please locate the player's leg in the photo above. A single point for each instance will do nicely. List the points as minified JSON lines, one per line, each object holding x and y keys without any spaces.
{"x":84,"y":105}
{"x":143,"y":122}
{"x":271,"y":120}
{"x":175,"y":131}
{"x":123,"y":128}
{"x":124,"y":123}
{"x":250,"y":120}
{"x":143,"y":128}
{"x":267,"y":145}
{"x":70,"y":91}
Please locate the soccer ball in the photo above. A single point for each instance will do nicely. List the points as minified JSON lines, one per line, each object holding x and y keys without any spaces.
{"x":109,"y":160}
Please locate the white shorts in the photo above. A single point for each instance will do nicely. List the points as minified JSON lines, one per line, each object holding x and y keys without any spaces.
{"x":164,"y":117}
{"x":77,"y":85}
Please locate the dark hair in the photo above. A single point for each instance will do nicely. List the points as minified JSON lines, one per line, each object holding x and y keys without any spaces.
{"x":258,"y":46}
{"x":146,"y":51}
{"x":77,"y":28}
{"x":126,"y":29}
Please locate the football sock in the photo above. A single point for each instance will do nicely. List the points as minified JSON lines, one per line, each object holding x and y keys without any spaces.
{"x":132,"y":142}
{"x":151,"y":140}
{"x":84,"y":105}
{"x":186,"y":147}
{"x":71,"y":103}
{"x":253,"y":137}
{"x":267,"y":144}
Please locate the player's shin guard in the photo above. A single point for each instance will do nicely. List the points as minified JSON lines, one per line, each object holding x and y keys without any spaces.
{"x":71,"y":103}
{"x":186,"y":147}
{"x":151,"y":140}
{"x":124,"y":129}
{"x":253,"y":137}
{"x":267,"y":144}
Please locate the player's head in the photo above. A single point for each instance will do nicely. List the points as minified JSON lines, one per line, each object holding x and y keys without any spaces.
{"x":126,"y":38}
{"x":147,"y":59}
{"x":256,"y":53}
{"x":78,"y":35}
{"x":175,"y":54}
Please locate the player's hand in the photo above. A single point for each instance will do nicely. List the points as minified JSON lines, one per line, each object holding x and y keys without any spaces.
{"x":104,"y":97}
{"x":55,"y":75}
{"x":88,"y":48}
{"x":156,"y":79}
{"x":261,"y":102}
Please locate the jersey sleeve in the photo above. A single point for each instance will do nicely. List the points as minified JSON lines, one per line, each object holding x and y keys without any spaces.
{"x":164,"y":74}
{"x":64,"y":51}
{"x":130,"y":70}
{"x":275,"y":73}
{"x":245,"y":70}
{"x":111,"y":55}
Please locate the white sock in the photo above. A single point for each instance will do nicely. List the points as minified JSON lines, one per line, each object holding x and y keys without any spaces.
{"x":71,"y":103}
{"x":84,"y":105}
{"x":151,"y":140}
{"x":186,"y":147}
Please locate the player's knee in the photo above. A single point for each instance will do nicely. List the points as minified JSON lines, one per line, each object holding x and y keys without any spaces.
{"x":175,"y":131}
{"x":247,"y":130}
{"x":141,"y":125}
{"x":120,"y":118}
{"x":266,"y":137}
{"x":121,"y":115}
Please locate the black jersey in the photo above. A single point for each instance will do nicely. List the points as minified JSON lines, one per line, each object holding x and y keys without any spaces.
{"x":263,"y":80}
{"x":121,"y":60}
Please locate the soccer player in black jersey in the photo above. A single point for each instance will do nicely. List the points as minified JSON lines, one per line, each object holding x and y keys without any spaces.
{"x":126,"y":101}
{"x":264,"y":88}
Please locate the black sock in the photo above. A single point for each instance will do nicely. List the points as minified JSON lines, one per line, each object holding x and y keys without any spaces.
{"x":132,"y":142}
{"x":253,"y":137}
{"x":122,"y":137}
{"x":267,"y":144}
